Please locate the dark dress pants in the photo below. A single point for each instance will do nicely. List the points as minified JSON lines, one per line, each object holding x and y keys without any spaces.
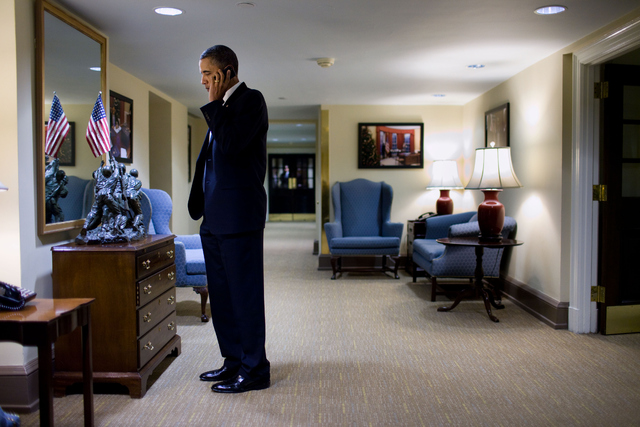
{"x":235,"y":275}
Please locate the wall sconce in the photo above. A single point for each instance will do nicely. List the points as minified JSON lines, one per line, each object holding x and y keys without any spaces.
{"x":445,"y":178}
{"x":3,"y":187}
{"x":492,"y":172}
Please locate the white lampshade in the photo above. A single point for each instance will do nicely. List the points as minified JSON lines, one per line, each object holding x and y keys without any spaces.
{"x":3,"y":187}
{"x":493,"y":170}
{"x":445,"y":175}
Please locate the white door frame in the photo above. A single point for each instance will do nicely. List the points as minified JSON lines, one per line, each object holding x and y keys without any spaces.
{"x":584,"y":170}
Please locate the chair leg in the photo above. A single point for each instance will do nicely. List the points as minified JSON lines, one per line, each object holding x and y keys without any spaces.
{"x":434,"y":285}
{"x":395,"y":260}
{"x":204,"y":294}
{"x":334,"y":266}
{"x":413,"y":270}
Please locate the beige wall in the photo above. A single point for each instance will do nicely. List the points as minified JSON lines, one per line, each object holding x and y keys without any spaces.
{"x":443,"y":139}
{"x":535,"y":102}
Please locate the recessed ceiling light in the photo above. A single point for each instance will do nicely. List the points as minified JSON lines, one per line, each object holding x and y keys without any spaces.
{"x":550,"y":10}
{"x":475,"y":66}
{"x":246,"y":4}
{"x":168,"y":11}
{"x":439,"y":95}
{"x":95,"y":68}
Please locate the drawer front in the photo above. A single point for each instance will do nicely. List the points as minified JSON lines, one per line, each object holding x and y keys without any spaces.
{"x":156,"y":310}
{"x":151,"y":343}
{"x":154,"y":261}
{"x":148,"y":289}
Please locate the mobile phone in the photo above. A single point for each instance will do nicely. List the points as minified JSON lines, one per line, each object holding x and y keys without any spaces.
{"x":229,"y":68}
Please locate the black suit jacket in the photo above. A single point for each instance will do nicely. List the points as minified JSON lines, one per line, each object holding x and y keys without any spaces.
{"x":238,"y":201}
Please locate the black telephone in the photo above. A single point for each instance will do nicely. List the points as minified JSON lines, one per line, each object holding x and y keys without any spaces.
{"x":426,"y":215}
{"x":229,"y":68}
{"x":14,"y":298}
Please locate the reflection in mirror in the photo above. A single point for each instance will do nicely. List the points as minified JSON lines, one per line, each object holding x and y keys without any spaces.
{"x":71,"y":61}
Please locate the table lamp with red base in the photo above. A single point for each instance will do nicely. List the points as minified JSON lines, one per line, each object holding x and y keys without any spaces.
{"x":445,"y":179}
{"x":492,"y":172}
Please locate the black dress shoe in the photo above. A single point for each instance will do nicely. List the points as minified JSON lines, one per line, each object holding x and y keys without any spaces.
{"x":241,"y":384}
{"x":221,"y":374}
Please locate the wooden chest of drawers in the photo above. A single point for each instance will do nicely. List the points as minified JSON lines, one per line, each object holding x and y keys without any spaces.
{"x":133,"y":317}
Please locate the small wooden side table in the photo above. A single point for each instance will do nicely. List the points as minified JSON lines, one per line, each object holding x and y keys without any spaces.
{"x":478,"y":288}
{"x":40,"y":323}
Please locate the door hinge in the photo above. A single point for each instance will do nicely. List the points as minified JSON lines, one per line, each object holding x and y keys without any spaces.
{"x":599,"y":193}
{"x":601,"y":90}
{"x":597,"y":293}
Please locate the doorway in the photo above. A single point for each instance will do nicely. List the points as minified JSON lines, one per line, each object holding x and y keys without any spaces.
{"x":619,"y":230}
{"x":292,"y":187}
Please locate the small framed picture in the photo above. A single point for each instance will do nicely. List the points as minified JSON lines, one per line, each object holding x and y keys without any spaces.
{"x":496,"y":126}
{"x":390,"y":145}
{"x":67,"y":152}
{"x":121,"y":119}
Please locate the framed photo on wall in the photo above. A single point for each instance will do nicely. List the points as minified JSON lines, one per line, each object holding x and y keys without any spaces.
{"x":121,"y":119}
{"x":496,"y":126}
{"x":67,"y":152}
{"x":390,"y":145}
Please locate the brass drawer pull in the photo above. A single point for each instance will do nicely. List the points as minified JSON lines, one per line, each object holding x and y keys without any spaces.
{"x":147,"y":289}
{"x":147,"y":317}
{"x":170,"y":254}
{"x":146,"y":264}
{"x":171,"y":326}
{"x":171,"y":300}
{"x":171,"y":275}
{"x":149,"y":346}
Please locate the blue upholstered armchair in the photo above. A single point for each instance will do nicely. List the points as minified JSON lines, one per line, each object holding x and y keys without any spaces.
{"x":439,"y":261}
{"x":190,"y":269}
{"x":362,"y":225}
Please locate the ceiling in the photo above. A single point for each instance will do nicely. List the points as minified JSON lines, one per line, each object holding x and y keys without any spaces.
{"x":400,"y":52}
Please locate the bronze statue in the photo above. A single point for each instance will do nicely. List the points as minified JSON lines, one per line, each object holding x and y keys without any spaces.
{"x":116,"y":214}
{"x":55,"y":186}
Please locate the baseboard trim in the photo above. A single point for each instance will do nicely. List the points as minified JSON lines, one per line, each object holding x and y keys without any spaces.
{"x":544,"y":308}
{"x":19,"y":387}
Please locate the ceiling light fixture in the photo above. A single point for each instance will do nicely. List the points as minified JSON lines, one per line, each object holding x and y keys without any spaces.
{"x":550,"y":10}
{"x":246,"y":4}
{"x":475,"y":66}
{"x":439,"y":95}
{"x":95,"y":68}
{"x":326,"y":62}
{"x":168,"y":11}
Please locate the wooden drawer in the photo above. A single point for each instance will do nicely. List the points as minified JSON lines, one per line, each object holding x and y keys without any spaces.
{"x":149,"y":289}
{"x":154,"y":261}
{"x":152,"y":313}
{"x":150,"y":344}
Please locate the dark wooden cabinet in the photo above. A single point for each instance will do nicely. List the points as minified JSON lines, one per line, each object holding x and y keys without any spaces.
{"x":415,"y":230}
{"x":133,"y":317}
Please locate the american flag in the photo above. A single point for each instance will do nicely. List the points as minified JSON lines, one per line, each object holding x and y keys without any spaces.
{"x":98,"y":130}
{"x":57,"y":129}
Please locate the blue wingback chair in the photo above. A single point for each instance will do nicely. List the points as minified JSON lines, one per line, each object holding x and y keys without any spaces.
{"x":362,"y":225}
{"x":190,"y":268}
{"x":439,"y":261}
{"x":79,"y":199}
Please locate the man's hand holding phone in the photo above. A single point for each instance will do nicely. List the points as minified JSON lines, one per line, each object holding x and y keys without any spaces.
{"x":221,"y":81}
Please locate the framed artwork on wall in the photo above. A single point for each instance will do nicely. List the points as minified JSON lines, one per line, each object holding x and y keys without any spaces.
{"x":390,"y":145}
{"x":121,"y":119}
{"x":496,"y":126}
{"x":67,"y":152}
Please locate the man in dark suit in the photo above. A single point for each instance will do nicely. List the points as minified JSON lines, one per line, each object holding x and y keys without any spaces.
{"x":228,"y":191}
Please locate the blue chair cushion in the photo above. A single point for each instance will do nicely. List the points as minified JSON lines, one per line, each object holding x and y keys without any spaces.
{"x":360,"y":201}
{"x":195,"y":261}
{"x":428,"y":248}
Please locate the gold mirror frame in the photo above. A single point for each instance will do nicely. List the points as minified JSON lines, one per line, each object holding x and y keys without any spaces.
{"x":43,"y":7}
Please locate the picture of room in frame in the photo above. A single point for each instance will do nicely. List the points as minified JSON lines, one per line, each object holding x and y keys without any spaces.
{"x":121,"y":121}
{"x":496,"y":126}
{"x":390,"y":145}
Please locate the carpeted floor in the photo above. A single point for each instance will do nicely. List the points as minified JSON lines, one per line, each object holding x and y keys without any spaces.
{"x":369,"y":350}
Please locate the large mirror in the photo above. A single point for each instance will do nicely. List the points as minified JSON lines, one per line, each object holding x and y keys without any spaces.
{"x":70,"y":62}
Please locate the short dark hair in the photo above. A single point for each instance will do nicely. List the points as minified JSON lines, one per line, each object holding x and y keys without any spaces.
{"x":222,"y":56}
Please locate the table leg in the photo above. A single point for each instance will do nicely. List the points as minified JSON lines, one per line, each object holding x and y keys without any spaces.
{"x":87,"y":371}
{"x":45,"y":378}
